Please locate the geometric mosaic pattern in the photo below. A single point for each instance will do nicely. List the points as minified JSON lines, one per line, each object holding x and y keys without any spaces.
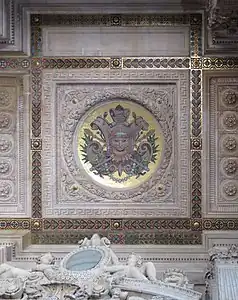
{"x":120,"y":231}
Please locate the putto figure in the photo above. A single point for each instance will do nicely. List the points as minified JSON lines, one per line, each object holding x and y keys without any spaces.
{"x":120,"y":146}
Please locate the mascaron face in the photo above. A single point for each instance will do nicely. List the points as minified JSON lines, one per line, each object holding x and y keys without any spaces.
{"x":119,"y":145}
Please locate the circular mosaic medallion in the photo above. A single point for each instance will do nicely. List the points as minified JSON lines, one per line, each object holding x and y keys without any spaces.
{"x":119,"y":144}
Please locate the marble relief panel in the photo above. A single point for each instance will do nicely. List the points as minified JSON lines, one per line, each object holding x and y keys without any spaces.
{"x":222,"y":147}
{"x":88,"y":173}
{"x":13,"y":141}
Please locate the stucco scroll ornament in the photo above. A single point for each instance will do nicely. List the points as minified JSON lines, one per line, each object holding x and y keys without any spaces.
{"x":4,"y":98}
{"x":5,"y":121}
{"x":13,"y":281}
{"x":225,"y":253}
{"x":134,"y":268}
{"x":11,"y":288}
{"x":219,"y":255}
{"x":176,"y":277}
{"x":5,"y":190}
{"x":222,"y":23}
{"x":78,"y":294}
{"x":95,"y":240}
{"x":212,"y":8}
{"x":103,"y":242}
{"x":5,"y":145}
{"x":5,"y":167}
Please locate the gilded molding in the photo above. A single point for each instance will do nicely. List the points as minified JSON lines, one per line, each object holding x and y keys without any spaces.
{"x":10,"y":63}
{"x":195,"y":35}
{"x":76,"y":63}
{"x":196,"y":142}
{"x":156,"y":62}
{"x":219,"y":63}
{"x":16,"y":224}
{"x":138,"y":226}
{"x":116,"y":224}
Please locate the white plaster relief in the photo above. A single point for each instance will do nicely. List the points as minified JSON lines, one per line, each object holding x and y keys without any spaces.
{"x":101,"y":276}
{"x":14,"y":164}
{"x":56,"y":205}
{"x":116,"y":41}
{"x":222,"y":146}
{"x":3,"y":23}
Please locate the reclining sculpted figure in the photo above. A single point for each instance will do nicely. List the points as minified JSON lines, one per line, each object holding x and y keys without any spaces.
{"x":134,"y":268}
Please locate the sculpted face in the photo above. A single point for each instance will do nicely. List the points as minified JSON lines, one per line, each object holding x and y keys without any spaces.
{"x":120,"y":144}
{"x":174,"y":278}
{"x":96,"y":240}
{"x":132,"y":259}
{"x":46,"y":258}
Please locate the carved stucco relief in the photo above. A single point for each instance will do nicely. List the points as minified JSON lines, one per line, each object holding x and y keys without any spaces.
{"x":67,"y":189}
{"x":13,"y":155}
{"x":222,"y":145}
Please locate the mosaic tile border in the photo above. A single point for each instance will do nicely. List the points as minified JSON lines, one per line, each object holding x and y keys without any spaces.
{"x":12,"y":63}
{"x":203,"y":63}
{"x":196,"y":142}
{"x":117,"y":237}
{"x":133,"y":225}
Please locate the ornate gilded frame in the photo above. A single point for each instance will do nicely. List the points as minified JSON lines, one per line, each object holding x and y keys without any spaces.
{"x":122,"y":231}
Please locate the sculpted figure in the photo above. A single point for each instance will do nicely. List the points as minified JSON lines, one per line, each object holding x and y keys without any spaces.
{"x":84,"y":242}
{"x":8,"y":271}
{"x":94,"y":241}
{"x":134,"y":269}
{"x":44,"y":262}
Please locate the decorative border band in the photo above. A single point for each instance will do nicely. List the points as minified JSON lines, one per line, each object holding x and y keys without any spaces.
{"x":140,"y":225}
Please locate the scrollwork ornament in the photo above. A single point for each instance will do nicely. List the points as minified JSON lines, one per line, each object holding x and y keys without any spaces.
{"x":230,"y":189}
{"x":230,"y":166}
{"x":230,"y":143}
{"x":4,"y":98}
{"x":5,"y":144}
{"x":230,"y":98}
{"x":5,"y":190}
{"x":230,"y":121}
{"x":5,"y":167}
{"x":5,"y":121}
